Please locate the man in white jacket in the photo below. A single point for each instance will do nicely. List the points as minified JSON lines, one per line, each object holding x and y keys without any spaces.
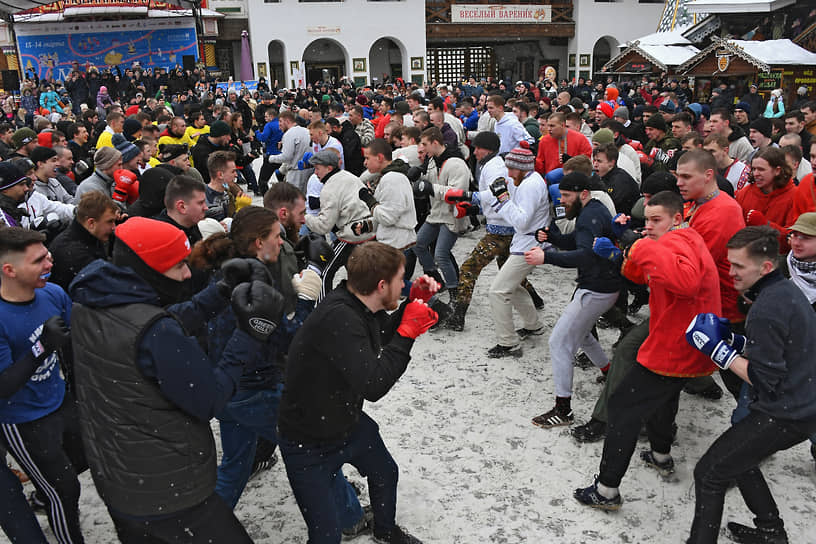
{"x":523,"y":202}
{"x":445,"y":171}
{"x":392,"y":202}
{"x":296,"y":142}
{"x":510,"y":130}
{"x":340,"y":207}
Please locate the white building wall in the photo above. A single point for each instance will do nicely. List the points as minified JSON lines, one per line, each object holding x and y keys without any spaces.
{"x":622,"y":21}
{"x":354,"y":24}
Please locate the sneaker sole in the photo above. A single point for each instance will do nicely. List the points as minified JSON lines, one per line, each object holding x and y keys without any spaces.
{"x":607,"y":507}
{"x":665,"y":472}
{"x":552,"y":425}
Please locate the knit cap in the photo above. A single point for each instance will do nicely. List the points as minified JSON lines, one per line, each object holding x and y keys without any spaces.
{"x":160,"y":245}
{"x":219,"y":128}
{"x":603,"y":136}
{"x":168,"y":152}
{"x":575,"y":182}
{"x":656,"y":121}
{"x":105,"y":157}
{"x":487,"y":140}
{"x":520,"y":158}
{"x":622,"y":113}
{"x":131,"y":127}
{"x":127,"y":149}
{"x":606,"y":109}
{"x":10,"y":175}
{"x":763,"y":126}
{"x":22,"y":136}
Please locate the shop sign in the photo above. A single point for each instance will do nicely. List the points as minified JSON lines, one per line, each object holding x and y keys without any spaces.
{"x":768,"y":81}
{"x":500,"y":13}
{"x":645,"y":67}
{"x":323,"y":30}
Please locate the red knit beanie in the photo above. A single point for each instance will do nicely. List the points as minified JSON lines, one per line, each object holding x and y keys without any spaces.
{"x":606,"y":109}
{"x":160,"y":245}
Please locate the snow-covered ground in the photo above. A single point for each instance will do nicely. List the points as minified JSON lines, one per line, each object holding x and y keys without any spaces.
{"x":474,"y":469}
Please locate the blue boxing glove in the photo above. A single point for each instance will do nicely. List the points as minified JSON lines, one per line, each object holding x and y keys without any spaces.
{"x":737,"y":341}
{"x":303,"y":164}
{"x":604,"y":248}
{"x":619,"y":228}
{"x":705,"y":333}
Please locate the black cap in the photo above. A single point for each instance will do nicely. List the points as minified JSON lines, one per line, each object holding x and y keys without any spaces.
{"x":656,"y":121}
{"x":575,"y":182}
{"x":487,"y":140}
{"x":42,"y":154}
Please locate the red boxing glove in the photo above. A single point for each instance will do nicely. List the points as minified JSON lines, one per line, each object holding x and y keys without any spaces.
{"x":462,"y":209}
{"x":452,"y":196}
{"x":126,"y":186}
{"x":420,"y":289}
{"x":755,"y":218}
{"x":417,"y":318}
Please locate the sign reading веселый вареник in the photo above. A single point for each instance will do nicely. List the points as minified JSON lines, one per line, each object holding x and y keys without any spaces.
{"x":500,"y":13}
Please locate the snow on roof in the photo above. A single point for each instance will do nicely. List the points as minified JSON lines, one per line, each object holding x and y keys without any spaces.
{"x":776,"y":51}
{"x":736,"y":6}
{"x":670,"y":55}
{"x":673,"y":37}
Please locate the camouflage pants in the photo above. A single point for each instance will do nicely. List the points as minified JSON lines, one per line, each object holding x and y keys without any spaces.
{"x":491,"y":246}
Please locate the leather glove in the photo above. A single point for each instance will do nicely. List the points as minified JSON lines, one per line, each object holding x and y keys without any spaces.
{"x":737,"y":341}
{"x":315,"y":251}
{"x":307,"y":284}
{"x":240,"y":270}
{"x":55,"y":334}
{"x":362,"y":227}
{"x":367,"y":196}
{"x":258,"y":309}
{"x":423,"y":188}
{"x":414,"y":173}
{"x":499,"y":189}
{"x":565,"y":158}
{"x":464,"y":209}
{"x":704,"y":333}
{"x":453,"y":196}
{"x":417,"y":318}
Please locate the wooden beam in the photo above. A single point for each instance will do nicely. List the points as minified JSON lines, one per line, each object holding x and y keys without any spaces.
{"x":498,"y":30}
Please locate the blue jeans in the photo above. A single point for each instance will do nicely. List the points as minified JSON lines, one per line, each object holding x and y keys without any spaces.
{"x":248,"y":415}
{"x":445,"y":239}
{"x":313,"y":469}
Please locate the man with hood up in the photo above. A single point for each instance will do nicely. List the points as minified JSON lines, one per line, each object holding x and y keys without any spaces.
{"x":151,"y":449}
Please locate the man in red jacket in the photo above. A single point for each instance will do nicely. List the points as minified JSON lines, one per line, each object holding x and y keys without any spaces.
{"x":682,"y":278}
{"x":559,"y":145}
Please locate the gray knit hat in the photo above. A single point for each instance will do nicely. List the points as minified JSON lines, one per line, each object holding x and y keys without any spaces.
{"x":105,"y":157}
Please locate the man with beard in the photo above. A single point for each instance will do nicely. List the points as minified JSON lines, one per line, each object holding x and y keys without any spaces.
{"x":154,"y":407}
{"x":350,"y":349}
{"x":599,"y":283}
{"x":217,"y":140}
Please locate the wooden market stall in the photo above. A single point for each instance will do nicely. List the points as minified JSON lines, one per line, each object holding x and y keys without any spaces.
{"x":771,"y":64}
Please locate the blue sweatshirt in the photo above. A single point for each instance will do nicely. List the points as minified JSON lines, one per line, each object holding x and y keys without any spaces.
{"x":20,"y":328}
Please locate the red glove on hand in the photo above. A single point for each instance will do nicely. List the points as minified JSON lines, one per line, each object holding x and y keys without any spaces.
{"x":423,"y":288}
{"x":755,"y":218}
{"x":416,"y":319}
{"x":462,"y":209}
{"x":452,"y":196}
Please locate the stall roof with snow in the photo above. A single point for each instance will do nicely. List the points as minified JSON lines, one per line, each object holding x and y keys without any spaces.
{"x":741,"y":57}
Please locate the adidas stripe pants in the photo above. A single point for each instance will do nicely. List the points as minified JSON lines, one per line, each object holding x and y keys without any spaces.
{"x":37,"y":446}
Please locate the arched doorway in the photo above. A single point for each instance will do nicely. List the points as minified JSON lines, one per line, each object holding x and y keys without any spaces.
{"x":325,"y":60}
{"x":385,"y":60}
{"x":605,"y":48}
{"x":276,"y":55}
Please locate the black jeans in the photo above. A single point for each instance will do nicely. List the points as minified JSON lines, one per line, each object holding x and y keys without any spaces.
{"x":44,"y":450}
{"x":267,"y":170}
{"x":735,"y":457}
{"x":17,"y":520}
{"x":211,"y":522}
{"x":641,"y":396}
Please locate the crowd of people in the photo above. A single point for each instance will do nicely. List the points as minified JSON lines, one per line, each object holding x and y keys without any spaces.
{"x":128,"y":216}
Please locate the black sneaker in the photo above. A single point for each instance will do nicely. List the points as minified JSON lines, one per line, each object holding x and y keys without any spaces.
{"x":591,"y":431}
{"x":589,"y":496}
{"x":756,"y":535}
{"x":361,"y":527}
{"x":498,"y":351}
{"x":261,"y":466}
{"x":665,"y":468}
{"x":554,"y":418}
{"x":583,"y":361}
{"x":526,"y":333}
{"x":397,"y":535}
{"x":712,"y":392}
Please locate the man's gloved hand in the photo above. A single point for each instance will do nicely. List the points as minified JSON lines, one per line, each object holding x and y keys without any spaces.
{"x":315,"y":251}
{"x":627,"y":239}
{"x":417,"y":318}
{"x":453,"y":196}
{"x":464,"y":209}
{"x":258,"y":309}
{"x":542,"y":234}
{"x":367,"y":196}
{"x":55,"y":334}
{"x":737,"y":341}
{"x":604,"y":248}
{"x":620,"y":224}
{"x":307,"y":284}
{"x":304,"y":164}
{"x":755,"y":218}
{"x":565,"y":157}
{"x":423,"y":288}
{"x":240,"y":270}
{"x":499,"y":189}
{"x":705,"y":333}
{"x":414,"y":173}
{"x":423,"y":188}
{"x":362,"y":227}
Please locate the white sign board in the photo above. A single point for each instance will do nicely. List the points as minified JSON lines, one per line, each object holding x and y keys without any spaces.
{"x":500,"y":13}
